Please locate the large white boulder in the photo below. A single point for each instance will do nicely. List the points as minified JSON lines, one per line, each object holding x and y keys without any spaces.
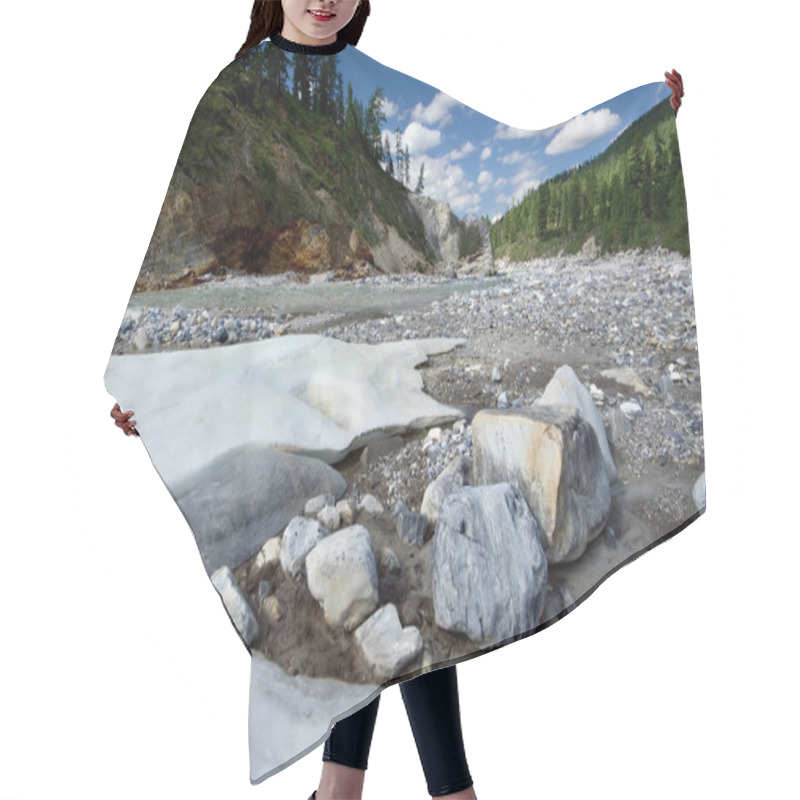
{"x":343,"y":577}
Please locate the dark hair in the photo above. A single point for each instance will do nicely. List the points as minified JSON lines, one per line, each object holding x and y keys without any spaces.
{"x":266,"y":19}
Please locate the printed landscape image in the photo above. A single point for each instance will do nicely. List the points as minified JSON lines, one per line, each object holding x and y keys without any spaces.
{"x":417,"y":380}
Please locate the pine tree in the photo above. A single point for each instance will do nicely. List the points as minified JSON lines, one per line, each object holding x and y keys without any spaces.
{"x":660,"y":194}
{"x":301,"y":80}
{"x":276,"y":71}
{"x":338,"y":99}
{"x":353,"y":116}
{"x":398,"y":153}
{"x":374,"y":118}
{"x":407,"y":160}
{"x":574,"y":203}
{"x":541,"y":218}
{"x":326,"y":86}
{"x":387,"y":154}
{"x":421,"y":179}
{"x":313,"y":84}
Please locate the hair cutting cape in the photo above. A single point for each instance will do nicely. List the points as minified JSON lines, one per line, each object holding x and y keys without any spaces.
{"x":418,"y":381}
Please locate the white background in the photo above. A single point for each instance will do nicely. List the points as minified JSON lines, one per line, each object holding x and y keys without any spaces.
{"x":121,"y":676}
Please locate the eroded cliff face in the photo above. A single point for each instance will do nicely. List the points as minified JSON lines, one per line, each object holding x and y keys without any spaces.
{"x":273,"y":219}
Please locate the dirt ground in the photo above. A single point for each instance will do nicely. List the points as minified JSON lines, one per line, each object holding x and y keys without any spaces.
{"x":647,"y":506}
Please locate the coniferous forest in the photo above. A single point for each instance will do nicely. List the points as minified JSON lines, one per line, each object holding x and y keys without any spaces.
{"x":631,"y":195}
{"x":316,"y":85}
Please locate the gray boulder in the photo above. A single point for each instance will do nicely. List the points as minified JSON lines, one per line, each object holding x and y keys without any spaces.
{"x":248,"y":496}
{"x":489,"y":567}
{"x":551,"y":453}
{"x":566,"y":388}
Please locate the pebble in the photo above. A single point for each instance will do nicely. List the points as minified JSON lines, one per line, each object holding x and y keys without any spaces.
{"x":635,"y":306}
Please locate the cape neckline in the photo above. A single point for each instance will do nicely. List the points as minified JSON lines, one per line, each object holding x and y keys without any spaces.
{"x":310,"y":49}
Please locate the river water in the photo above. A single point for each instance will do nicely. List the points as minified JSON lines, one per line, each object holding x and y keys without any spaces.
{"x":351,"y":300}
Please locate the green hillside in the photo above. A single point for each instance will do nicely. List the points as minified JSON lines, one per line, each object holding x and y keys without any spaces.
{"x":286,"y":142}
{"x":631,"y":195}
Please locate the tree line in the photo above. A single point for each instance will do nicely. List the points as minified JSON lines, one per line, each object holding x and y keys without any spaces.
{"x":632,"y":195}
{"x":270,"y":74}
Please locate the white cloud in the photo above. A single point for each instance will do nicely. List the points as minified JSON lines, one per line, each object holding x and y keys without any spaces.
{"x":582,"y":130}
{"x":486,"y":153}
{"x":513,"y":157}
{"x":526,"y":174}
{"x":507,"y":132}
{"x":419,"y":138}
{"x":437,"y":112}
{"x":447,"y":182}
{"x":389,"y":108}
{"x":484,"y":178}
{"x":462,"y":151}
{"x":464,"y":203}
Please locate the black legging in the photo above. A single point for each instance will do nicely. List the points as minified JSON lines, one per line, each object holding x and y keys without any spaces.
{"x":433,"y":711}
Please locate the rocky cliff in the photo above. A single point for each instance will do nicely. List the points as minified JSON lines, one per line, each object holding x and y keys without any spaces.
{"x":256,"y":205}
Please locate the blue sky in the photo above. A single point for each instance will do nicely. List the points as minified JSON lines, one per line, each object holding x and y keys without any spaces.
{"x":478,"y":164}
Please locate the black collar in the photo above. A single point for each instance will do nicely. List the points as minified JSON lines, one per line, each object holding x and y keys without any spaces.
{"x":311,"y":49}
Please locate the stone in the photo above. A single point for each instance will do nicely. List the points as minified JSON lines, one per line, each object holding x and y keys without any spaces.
{"x":235,"y":603}
{"x":566,"y":388}
{"x":272,"y":608}
{"x":411,"y":527}
{"x":269,"y":554}
{"x":618,"y":424}
{"x":346,"y":512}
{"x":489,"y":566}
{"x":667,"y":389}
{"x":248,"y":496}
{"x":699,"y":493}
{"x":627,"y":377}
{"x":389,"y":560}
{"x":452,"y":477}
{"x":300,"y":537}
{"x":316,"y":504}
{"x":140,"y":340}
{"x":370,"y":504}
{"x":551,"y":454}
{"x":386,"y":644}
{"x":343,"y":577}
{"x":630,"y":408}
{"x":328,"y":517}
